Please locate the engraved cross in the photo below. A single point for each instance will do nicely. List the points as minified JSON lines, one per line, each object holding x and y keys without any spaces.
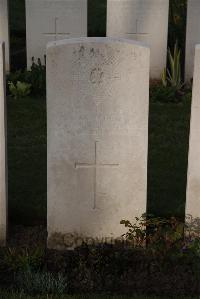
{"x":56,"y":34}
{"x":95,"y":166}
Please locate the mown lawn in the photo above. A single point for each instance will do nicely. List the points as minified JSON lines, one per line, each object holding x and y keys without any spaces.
{"x":21,"y":296}
{"x":168,"y":155}
{"x":167,"y":169}
{"x":27,"y":160}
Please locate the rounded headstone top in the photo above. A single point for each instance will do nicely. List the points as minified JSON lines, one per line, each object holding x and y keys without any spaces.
{"x":100,"y":40}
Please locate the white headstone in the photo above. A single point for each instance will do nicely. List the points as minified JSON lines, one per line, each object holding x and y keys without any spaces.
{"x":97,"y":110}
{"x":4,"y":32}
{"x":192,"y":36}
{"x":193,"y":184}
{"x":51,"y":20}
{"x":3,"y":176}
{"x":142,"y":20}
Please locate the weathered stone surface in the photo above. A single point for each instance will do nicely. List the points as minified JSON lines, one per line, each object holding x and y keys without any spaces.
{"x":193,"y":184}
{"x":97,"y":111}
{"x":192,"y":36}
{"x":3,"y":175}
{"x":4,"y":32}
{"x":50,"y":20}
{"x":142,"y":20}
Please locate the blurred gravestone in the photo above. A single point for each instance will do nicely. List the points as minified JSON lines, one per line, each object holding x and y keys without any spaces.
{"x":51,"y":20}
{"x":145,"y":21}
{"x":192,"y":36}
{"x":97,"y":114}
{"x":4,"y":31}
{"x":193,"y":184}
{"x":3,"y":176}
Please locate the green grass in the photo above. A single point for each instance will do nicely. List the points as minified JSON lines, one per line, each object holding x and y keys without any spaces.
{"x":168,"y":154}
{"x":27,"y":160}
{"x":167,"y":168}
{"x":21,"y":296}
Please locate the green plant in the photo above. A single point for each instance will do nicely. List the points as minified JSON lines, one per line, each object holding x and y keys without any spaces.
{"x":35,"y":283}
{"x":35,"y":78}
{"x":23,"y":259}
{"x":162,"y":236}
{"x":10,"y":294}
{"x":164,"y":77}
{"x":19,"y":90}
{"x":21,"y":295}
{"x":16,"y":76}
{"x":172,"y":75}
{"x":163,"y":94}
{"x":193,"y":246}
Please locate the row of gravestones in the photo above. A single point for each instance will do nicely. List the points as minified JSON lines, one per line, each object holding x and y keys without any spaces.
{"x":142,"y":20}
{"x":97,"y":139}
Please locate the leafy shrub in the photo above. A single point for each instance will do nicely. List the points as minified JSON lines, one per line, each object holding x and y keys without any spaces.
{"x":35,"y":283}
{"x":111,"y":269}
{"x":129,"y":270}
{"x":23,"y":259}
{"x":162,"y":236}
{"x":35,"y":78}
{"x":168,"y":266}
{"x":19,"y":75}
{"x":19,"y":90}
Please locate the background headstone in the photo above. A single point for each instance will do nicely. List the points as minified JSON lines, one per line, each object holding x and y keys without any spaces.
{"x":51,"y":20}
{"x":3,"y":176}
{"x":142,"y":20}
{"x":193,"y":184}
{"x":192,"y":36}
{"x":97,"y":111}
{"x":4,"y":31}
